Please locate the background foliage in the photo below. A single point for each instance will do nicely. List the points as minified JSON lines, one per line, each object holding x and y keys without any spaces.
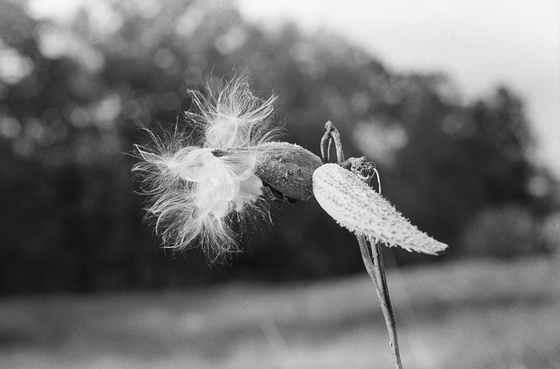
{"x":73,"y":95}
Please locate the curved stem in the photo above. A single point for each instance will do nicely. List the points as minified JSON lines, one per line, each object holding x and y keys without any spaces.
{"x":371,"y":254}
{"x":385,"y":300}
{"x":373,"y":261}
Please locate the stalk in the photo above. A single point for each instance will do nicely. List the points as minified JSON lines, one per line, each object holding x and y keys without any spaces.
{"x":371,"y":254}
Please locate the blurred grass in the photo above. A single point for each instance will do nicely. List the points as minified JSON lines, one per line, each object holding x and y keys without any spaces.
{"x":480,"y":314}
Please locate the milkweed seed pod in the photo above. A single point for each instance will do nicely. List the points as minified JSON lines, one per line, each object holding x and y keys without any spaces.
{"x":360,"y":209}
{"x":287,"y":168}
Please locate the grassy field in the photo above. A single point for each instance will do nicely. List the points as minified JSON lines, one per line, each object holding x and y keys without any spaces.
{"x":479,"y":314}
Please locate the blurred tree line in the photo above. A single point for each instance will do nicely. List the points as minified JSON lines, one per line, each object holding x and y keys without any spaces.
{"x":74,"y":93}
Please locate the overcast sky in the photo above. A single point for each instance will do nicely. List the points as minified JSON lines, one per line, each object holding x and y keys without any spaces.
{"x":478,"y":43}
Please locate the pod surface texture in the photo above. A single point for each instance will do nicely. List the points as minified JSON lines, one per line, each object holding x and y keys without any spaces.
{"x":359,"y":208}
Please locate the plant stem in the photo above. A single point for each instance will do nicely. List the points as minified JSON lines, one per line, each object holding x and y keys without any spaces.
{"x":373,"y":261}
{"x":372,"y":256}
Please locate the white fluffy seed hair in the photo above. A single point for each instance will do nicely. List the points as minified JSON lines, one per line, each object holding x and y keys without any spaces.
{"x":232,"y":116}
{"x":202,"y":187}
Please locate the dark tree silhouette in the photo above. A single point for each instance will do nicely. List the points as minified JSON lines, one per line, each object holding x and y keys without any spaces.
{"x":73,"y":97}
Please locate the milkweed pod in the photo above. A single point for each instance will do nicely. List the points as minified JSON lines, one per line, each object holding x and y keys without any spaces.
{"x":287,"y":168}
{"x":360,"y":209}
